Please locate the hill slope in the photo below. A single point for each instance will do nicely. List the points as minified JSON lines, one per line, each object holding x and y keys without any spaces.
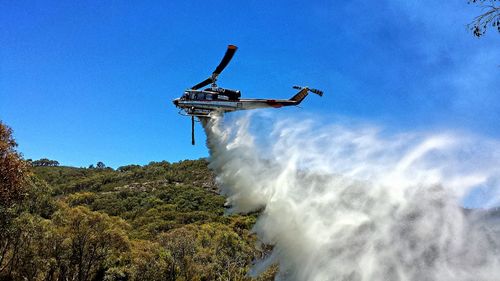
{"x":161,"y":221}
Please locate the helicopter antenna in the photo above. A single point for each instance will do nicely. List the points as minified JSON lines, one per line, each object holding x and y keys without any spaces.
{"x":192,"y":129}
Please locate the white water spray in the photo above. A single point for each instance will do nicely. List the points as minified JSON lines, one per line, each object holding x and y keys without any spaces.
{"x":343,"y":203}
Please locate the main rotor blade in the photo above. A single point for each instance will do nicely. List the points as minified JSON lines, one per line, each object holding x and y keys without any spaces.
{"x":202,"y":84}
{"x":231,"y":49}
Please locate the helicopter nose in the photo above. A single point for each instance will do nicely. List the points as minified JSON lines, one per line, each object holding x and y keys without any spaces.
{"x":176,"y":102}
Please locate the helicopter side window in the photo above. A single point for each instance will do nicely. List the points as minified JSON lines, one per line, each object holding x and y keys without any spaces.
{"x":192,"y":96}
{"x":209,"y":96}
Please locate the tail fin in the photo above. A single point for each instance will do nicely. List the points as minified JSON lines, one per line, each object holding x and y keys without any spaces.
{"x":303,"y":93}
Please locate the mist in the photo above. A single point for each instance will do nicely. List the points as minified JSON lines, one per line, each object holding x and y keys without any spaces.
{"x":352,"y":202}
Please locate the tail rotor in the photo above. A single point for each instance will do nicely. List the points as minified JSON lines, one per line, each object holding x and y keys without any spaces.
{"x":301,"y":95}
{"x":316,"y":91}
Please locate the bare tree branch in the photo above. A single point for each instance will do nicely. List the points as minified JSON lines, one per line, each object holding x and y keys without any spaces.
{"x":489,"y":17}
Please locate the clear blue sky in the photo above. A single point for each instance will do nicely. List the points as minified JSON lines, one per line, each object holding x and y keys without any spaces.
{"x":82,"y":82}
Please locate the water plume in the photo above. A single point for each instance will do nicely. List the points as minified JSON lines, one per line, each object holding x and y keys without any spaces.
{"x":355,"y":203}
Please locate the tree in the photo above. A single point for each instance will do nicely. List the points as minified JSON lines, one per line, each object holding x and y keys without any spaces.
{"x":149,"y":261}
{"x":86,"y":243}
{"x":24,"y":257}
{"x":13,"y":178}
{"x":13,"y":170}
{"x":180,"y":243}
{"x":128,"y":168}
{"x":77,"y":244}
{"x":44,"y":162}
{"x":490,"y":16}
{"x":221,"y":253}
{"x":100,"y":165}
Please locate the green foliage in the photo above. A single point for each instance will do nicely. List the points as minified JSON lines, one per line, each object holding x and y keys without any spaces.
{"x":75,"y":245}
{"x":44,"y":162}
{"x":150,"y":261}
{"x":67,"y":180}
{"x":210,"y":251}
{"x":38,"y":199}
{"x":93,"y":241}
{"x":161,"y":221}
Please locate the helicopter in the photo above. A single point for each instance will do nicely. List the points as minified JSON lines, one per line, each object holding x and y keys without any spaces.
{"x":217,"y":100}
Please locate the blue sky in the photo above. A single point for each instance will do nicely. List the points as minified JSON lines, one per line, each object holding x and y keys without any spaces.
{"x":82,"y":82}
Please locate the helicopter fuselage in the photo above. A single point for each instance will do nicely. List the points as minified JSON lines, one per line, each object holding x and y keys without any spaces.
{"x":203,"y":102}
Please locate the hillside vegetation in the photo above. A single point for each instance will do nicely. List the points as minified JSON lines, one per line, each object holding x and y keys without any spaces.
{"x":161,"y":221}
